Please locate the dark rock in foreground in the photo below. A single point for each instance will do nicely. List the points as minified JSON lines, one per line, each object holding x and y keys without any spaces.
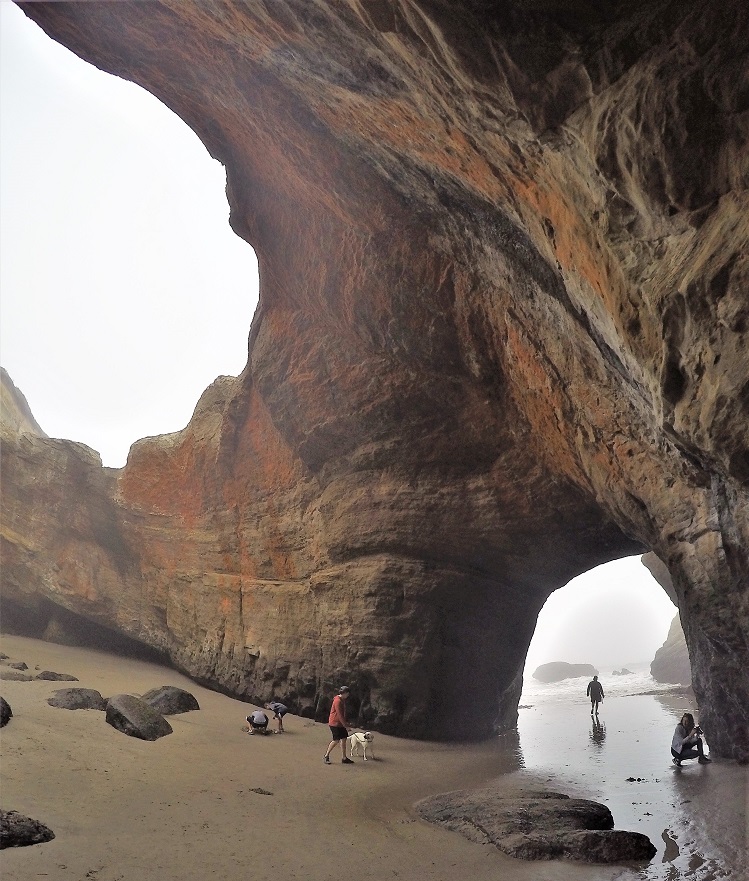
{"x":17,"y":665}
{"x":5,"y":712}
{"x":533,"y":825}
{"x":77,"y":699}
{"x":558,"y":670}
{"x":19,"y":831}
{"x":136,"y":718}
{"x":56,"y":677}
{"x":170,"y":700}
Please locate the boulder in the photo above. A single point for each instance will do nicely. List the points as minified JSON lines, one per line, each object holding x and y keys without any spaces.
{"x":15,"y":675}
{"x":16,"y":665}
{"x":16,"y":830}
{"x":56,"y":677}
{"x":77,"y":699}
{"x":556,"y":671}
{"x":534,"y":825}
{"x":5,"y":712}
{"x":136,"y":718}
{"x":170,"y":700}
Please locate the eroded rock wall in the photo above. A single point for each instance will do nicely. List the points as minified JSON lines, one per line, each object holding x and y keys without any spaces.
{"x":501,"y":339}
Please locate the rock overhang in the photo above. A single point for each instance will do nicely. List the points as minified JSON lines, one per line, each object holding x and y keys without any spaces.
{"x":498,"y":342}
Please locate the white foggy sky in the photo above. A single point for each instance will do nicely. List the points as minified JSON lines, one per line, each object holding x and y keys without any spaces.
{"x":124,"y":294}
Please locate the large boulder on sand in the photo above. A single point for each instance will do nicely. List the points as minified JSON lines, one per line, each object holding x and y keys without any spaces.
{"x":77,"y":699}
{"x":5,"y":712}
{"x":558,"y":670}
{"x":534,"y":825}
{"x":19,"y":831}
{"x":170,"y":700}
{"x":136,"y":718}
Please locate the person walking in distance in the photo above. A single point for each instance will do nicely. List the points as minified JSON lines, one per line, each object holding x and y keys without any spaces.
{"x":595,"y":693}
{"x":338,"y":725}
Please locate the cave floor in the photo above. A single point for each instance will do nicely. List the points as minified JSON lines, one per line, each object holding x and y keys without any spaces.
{"x":208,"y":801}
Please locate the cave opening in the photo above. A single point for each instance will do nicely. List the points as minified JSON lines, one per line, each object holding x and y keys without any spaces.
{"x":614,"y":617}
{"x":125,"y":291}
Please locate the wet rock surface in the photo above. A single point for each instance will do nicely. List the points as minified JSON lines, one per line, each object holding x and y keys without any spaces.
{"x":537,"y":826}
{"x":136,"y":718}
{"x":16,"y":830}
{"x":501,"y":339}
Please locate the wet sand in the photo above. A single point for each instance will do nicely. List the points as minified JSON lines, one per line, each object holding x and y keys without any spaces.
{"x":184,"y":807}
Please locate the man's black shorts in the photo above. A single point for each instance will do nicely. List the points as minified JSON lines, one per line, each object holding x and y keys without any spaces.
{"x":338,"y":732}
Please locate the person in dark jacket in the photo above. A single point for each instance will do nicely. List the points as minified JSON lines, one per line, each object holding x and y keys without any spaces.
{"x":279,"y":711}
{"x":687,"y":742}
{"x":595,"y":693}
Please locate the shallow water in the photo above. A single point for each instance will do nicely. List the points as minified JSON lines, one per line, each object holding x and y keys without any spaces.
{"x":696,"y":816}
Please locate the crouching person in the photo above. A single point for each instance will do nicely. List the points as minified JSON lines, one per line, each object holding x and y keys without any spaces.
{"x":687,"y":742}
{"x":258,"y":722}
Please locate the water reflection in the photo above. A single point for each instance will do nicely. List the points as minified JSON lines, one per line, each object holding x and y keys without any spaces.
{"x":695,"y":815}
{"x":598,"y":731}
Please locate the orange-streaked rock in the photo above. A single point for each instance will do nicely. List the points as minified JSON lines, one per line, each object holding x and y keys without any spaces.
{"x":501,"y":339}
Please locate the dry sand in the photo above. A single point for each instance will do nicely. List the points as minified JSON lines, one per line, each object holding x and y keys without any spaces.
{"x":183,"y":807}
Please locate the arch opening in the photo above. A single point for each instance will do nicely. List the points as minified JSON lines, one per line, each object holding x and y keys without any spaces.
{"x":125,"y":291}
{"x":611,"y":617}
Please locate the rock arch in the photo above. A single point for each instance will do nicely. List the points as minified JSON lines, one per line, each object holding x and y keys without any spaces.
{"x":501,"y":339}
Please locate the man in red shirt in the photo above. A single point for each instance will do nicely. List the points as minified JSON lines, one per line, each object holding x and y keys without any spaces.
{"x":338,"y":725}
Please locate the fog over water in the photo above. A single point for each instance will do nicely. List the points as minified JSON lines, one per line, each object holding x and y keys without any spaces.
{"x":125,"y":294}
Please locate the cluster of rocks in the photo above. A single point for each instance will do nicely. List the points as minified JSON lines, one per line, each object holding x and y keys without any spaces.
{"x":15,"y":671}
{"x":141,"y":717}
{"x":623,"y":672}
{"x":537,"y":825}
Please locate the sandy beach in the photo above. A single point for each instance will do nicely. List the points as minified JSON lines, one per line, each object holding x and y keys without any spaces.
{"x":210,"y":802}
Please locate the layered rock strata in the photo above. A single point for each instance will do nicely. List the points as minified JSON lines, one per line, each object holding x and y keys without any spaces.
{"x":501,"y":339}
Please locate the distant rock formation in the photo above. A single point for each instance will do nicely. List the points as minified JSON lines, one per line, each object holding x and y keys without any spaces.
{"x":501,"y":339}
{"x":671,"y":661}
{"x":623,"y":672}
{"x":537,"y":825}
{"x":555,"y":671}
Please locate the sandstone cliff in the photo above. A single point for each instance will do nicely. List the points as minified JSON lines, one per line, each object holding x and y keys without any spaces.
{"x":501,"y":339}
{"x":671,"y":661}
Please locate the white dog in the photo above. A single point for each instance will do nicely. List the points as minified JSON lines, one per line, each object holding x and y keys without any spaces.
{"x":358,"y":742}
